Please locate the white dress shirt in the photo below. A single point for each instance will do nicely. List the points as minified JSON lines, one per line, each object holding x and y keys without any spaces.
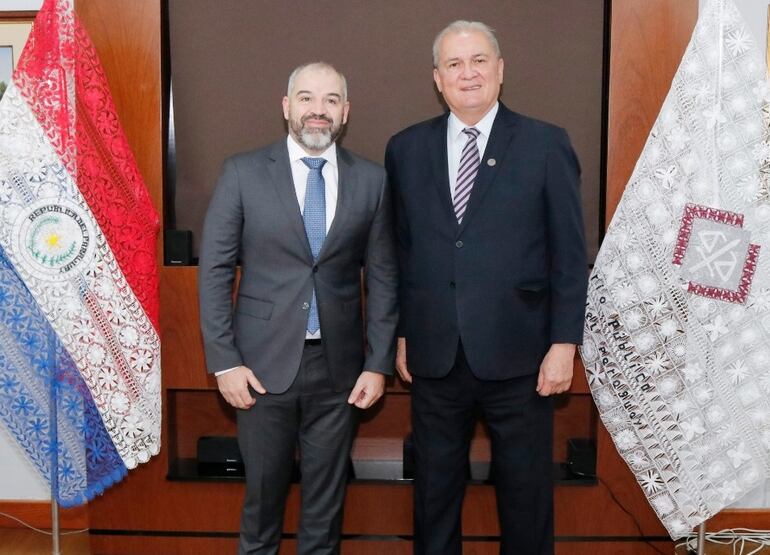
{"x":299,"y":173}
{"x":456,"y":139}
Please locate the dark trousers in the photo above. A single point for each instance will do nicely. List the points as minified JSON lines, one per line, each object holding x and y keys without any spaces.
{"x":520,"y":424}
{"x":318,"y":419}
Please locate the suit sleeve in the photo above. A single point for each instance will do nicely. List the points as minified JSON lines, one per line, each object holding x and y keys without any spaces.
{"x":400,"y":224}
{"x":216,"y":271}
{"x":381,"y":279}
{"x":566,"y":239}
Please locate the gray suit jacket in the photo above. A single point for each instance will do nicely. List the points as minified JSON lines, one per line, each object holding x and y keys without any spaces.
{"x":254,"y":217}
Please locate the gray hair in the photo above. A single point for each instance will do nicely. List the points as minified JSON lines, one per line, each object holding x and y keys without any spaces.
{"x":462,"y":26}
{"x":317,"y":65}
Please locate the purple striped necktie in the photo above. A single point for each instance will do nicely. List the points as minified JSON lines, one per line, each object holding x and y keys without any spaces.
{"x":466,"y":173}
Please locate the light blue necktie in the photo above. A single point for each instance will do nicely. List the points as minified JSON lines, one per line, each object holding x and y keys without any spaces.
{"x":315,"y":223}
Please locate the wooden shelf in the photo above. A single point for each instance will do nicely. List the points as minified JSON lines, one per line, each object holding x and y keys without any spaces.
{"x":380,"y":461}
{"x":186,"y":470}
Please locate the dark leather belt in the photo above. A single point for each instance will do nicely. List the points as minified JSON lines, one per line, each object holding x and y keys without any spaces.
{"x":309,"y":342}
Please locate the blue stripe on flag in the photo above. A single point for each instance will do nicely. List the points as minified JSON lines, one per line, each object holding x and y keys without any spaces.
{"x":78,"y":446}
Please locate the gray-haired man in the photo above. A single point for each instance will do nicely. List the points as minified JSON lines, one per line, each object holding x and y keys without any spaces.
{"x":492,"y":286}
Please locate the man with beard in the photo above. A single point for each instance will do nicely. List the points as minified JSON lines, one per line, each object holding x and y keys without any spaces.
{"x":303,"y":216}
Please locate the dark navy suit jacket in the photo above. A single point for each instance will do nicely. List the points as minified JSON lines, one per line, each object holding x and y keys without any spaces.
{"x":511,"y":280}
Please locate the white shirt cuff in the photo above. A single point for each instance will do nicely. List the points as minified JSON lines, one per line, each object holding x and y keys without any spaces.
{"x":222,"y":372}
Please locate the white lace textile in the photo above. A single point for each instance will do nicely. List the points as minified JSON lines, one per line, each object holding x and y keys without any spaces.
{"x":677,"y":336}
{"x":78,"y":227}
{"x":80,"y":288}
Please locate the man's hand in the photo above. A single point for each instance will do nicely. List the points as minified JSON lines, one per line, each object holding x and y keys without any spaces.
{"x":234,"y":386}
{"x":369,"y":387}
{"x":401,"y":361}
{"x":556,"y":369}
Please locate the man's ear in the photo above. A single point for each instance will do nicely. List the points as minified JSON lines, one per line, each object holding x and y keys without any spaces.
{"x":285,"y":104}
{"x":437,"y":79}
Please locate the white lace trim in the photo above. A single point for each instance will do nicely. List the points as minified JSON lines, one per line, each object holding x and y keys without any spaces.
{"x":677,"y":338}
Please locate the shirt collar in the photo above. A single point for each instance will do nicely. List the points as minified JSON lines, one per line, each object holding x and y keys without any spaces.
{"x":296,"y":152}
{"x":455,"y":126}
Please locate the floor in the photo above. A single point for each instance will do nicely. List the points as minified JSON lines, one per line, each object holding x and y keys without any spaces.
{"x":15,"y":541}
{"x":27,"y":542}
{"x":729,"y":549}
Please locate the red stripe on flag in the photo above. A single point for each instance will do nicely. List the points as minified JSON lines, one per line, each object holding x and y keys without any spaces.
{"x":109,"y":179}
{"x":88,"y":137}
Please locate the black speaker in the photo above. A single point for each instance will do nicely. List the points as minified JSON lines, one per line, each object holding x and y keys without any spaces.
{"x":178,"y":247}
{"x":219,"y":456}
{"x":581,"y":457}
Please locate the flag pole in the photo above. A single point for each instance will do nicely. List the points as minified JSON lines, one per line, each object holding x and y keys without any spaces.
{"x":55,"y":526}
{"x":52,"y":362}
{"x":701,"y":538}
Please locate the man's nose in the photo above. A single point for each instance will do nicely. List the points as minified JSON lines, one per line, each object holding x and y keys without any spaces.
{"x":319,"y":106}
{"x":468,"y":71}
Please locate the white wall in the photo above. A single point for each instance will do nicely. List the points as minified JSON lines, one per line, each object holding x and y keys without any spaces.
{"x":20,"y":5}
{"x":18,"y":479}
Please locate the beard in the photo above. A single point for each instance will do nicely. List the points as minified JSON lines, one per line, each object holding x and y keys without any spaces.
{"x":318,"y":139}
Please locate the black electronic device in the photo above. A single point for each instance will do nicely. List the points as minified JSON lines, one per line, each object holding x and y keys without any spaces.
{"x":581,"y":457}
{"x":178,"y":247}
{"x":219,"y":456}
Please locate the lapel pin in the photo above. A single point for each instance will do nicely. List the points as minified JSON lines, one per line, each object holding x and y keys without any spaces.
{"x":491,"y":162}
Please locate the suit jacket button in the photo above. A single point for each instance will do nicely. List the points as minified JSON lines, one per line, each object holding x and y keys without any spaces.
{"x":315,"y":269}
{"x":305,"y":306}
{"x":459,"y":244}
{"x":451,"y":284}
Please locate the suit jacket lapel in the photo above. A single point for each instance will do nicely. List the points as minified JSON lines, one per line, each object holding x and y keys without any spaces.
{"x":440,"y":165}
{"x":280,"y":173}
{"x":345,"y":171}
{"x":503,"y":130}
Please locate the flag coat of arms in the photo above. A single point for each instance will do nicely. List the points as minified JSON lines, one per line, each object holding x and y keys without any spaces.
{"x":79,"y":348}
{"x":677,"y":334}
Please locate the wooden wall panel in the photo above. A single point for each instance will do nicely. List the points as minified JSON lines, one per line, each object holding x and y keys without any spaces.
{"x":648,"y":38}
{"x":127,"y":38}
{"x":753,"y":519}
{"x":196,"y":413}
{"x":134,"y":545}
{"x":184,"y":366}
{"x":38,"y":514}
{"x":27,"y":542}
{"x":614,"y":548}
{"x":182,"y":348}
